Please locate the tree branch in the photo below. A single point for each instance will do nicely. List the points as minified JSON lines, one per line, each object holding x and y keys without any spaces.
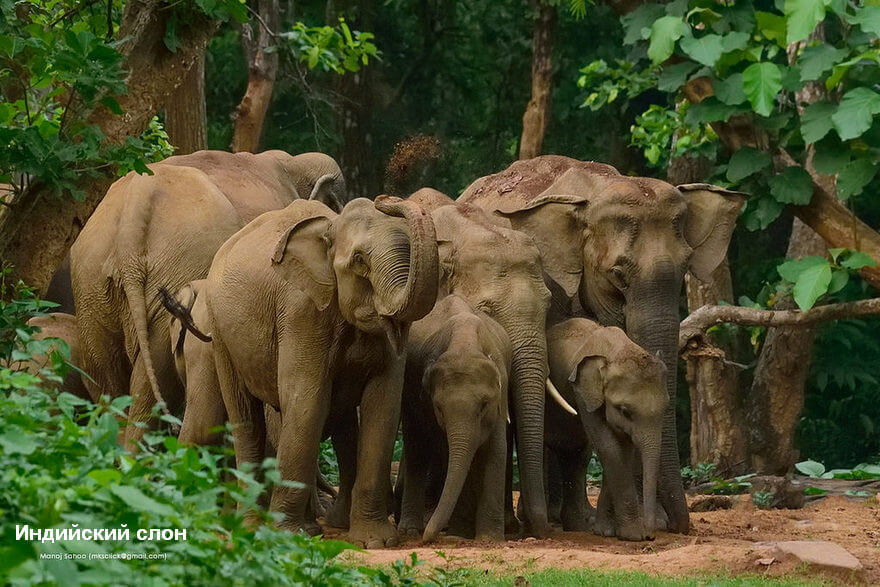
{"x":692,"y":335}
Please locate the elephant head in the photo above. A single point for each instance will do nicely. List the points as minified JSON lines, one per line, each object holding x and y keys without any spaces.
{"x":605,"y":369}
{"x":498,"y":270}
{"x":624,"y":244}
{"x":469,"y":397}
{"x":377,"y":261}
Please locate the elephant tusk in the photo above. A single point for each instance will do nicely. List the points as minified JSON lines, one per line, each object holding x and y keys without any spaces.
{"x":554,"y":393}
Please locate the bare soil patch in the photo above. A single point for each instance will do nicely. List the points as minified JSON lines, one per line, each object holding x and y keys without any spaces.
{"x":725,"y":541}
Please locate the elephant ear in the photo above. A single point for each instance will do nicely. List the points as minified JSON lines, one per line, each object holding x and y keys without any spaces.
{"x":588,"y":369}
{"x":557,"y":231}
{"x":302,"y":254}
{"x":711,"y":218}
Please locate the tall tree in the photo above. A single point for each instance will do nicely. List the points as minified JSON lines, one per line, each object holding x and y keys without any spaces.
{"x":38,"y":228}
{"x":186,"y":119}
{"x":537,"y":114}
{"x":258,"y":40}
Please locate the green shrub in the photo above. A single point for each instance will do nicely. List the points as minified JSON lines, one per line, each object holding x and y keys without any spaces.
{"x":61,"y":468}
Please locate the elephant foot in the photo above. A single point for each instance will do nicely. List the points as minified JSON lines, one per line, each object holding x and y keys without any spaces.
{"x":310,"y":527}
{"x":410,"y":527}
{"x":490,"y":537}
{"x":538,"y":530}
{"x":634,"y":531}
{"x":338,"y":514}
{"x":661,"y":520}
{"x":575,"y":521}
{"x":373,"y":534}
{"x":603,"y":526}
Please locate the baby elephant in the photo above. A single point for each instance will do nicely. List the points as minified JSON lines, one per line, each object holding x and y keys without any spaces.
{"x":455,"y":409}
{"x":619,"y":391}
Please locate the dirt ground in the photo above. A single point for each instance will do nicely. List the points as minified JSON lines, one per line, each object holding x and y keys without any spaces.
{"x":720,"y":542}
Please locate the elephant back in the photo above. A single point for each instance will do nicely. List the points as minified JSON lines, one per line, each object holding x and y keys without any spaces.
{"x":526,"y":179}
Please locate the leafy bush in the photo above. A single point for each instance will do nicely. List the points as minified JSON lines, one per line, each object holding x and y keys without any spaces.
{"x":61,"y":466}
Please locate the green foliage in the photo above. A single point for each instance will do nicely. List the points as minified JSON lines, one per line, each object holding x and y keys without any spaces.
{"x":814,"y":277}
{"x":337,"y":49}
{"x":655,"y":129}
{"x":62,"y":466}
{"x":698,"y":474}
{"x":607,"y":84}
{"x":817,"y":470}
{"x":53,"y":72}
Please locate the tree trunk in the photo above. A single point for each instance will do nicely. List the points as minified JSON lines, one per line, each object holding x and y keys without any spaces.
{"x":717,"y":431}
{"x":186,"y":120}
{"x":37,"y":230}
{"x":777,"y":394}
{"x":537,"y":114}
{"x":262,"y":68}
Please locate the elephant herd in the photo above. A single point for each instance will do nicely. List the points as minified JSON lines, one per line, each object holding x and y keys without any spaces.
{"x":250,"y":289}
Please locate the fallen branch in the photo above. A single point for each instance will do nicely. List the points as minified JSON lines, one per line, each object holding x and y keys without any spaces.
{"x":692,"y":335}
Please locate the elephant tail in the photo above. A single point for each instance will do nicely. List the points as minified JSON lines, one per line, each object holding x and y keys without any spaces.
{"x":137,"y":305}
{"x":182,"y":313}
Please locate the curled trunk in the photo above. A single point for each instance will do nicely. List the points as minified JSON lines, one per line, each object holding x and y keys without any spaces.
{"x":462,"y":440}
{"x":417,"y":297}
{"x":652,"y":322}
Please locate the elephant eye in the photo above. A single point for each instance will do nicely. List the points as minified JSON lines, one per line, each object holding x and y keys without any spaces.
{"x":626,"y":412}
{"x":359,"y":263}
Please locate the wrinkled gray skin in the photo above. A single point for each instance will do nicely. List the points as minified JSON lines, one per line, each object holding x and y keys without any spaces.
{"x":305,"y":305}
{"x":498,"y":270}
{"x":162,"y":231}
{"x":621,"y":245}
{"x":619,"y":391}
{"x":63,"y":326}
{"x":455,"y":410}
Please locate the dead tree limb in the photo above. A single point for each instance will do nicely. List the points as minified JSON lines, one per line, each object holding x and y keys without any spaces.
{"x":693,"y":328}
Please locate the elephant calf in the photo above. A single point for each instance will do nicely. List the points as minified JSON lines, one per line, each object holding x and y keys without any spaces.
{"x":455,"y":398}
{"x":619,"y":390}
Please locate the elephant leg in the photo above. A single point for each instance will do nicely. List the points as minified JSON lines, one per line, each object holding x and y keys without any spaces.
{"x":603,"y":523}
{"x":344,"y":440}
{"x":380,"y":418}
{"x":246,"y":416}
{"x":205,"y":411}
{"x":489,"y":524}
{"x":554,"y":484}
{"x":576,"y":510}
{"x":412,"y":472}
{"x":140,"y":413}
{"x":618,"y":480}
{"x":511,"y":523}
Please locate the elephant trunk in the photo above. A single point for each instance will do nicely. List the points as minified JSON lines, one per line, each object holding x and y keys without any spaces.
{"x":528,"y":384}
{"x":462,"y":439}
{"x":419,"y":293}
{"x":652,"y":322}
{"x":648,"y":442}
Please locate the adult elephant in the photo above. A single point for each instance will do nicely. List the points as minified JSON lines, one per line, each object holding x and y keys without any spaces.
{"x":622,"y":245}
{"x":498,"y":270}
{"x":161,"y":231}
{"x":306,"y":306}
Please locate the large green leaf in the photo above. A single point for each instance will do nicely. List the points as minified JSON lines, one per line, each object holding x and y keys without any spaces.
{"x":812,"y":284}
{"x":816,"y":121}
{"x":772,"y":26}
{"x":791,"y":270}
{"x":664,"y":33}
{"x":857,"y":259}
{"x":801,"y":17}
{"x":706,"y":49}
{"x":730,"y":89}
{"x":761,"y":83}
{"x":639,"y":21}
{"x":674,"y":76}
{"x":853,"y":178}
{"x":856,"y":112}
{"x":745,"y":162}
{"x":792,"y":186}
{"x":137,"y":499}
{"x":815,"y":61}
{"x":868,"y":18}
{"x":734,"y":41}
